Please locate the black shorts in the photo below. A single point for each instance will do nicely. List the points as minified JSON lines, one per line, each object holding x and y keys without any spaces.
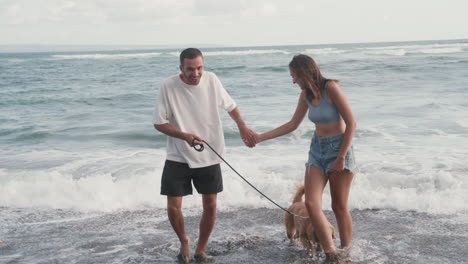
{"x":177,"y":179}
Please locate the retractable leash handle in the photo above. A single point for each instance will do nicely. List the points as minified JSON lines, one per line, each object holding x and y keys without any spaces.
{"x":200,"y":148}
{"x":197,"y":147}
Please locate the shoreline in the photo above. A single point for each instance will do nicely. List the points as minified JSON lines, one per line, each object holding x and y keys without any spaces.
{"x":240,"y":236}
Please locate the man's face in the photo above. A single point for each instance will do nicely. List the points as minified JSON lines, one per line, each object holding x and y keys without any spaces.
{"x":192,"y":70}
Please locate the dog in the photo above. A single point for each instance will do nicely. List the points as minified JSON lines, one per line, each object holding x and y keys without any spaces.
{"x":301,"y":227}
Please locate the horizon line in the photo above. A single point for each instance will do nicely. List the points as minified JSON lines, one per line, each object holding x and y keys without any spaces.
{"x":175,"y":46}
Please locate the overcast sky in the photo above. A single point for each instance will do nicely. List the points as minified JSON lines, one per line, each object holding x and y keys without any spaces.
{"x":229,"y":22}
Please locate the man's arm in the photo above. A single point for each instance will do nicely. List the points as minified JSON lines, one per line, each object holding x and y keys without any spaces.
{"x":171,"y":131}
{"x":247,"y":134}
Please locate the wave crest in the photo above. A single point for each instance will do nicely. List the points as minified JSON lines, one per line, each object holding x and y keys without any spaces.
{"x":106,"y":56}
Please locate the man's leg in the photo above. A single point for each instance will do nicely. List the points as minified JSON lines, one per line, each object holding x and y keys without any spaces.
{"x":207,"y":221}
{"x":174,"y":212}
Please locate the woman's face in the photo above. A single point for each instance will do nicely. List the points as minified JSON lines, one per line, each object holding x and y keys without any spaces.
{"x":296,"y":79}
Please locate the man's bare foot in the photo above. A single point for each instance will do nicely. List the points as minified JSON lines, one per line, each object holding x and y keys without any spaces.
{"x":184,"y":254}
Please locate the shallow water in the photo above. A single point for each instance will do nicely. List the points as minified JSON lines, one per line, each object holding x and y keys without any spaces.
{"x":240,"y":236}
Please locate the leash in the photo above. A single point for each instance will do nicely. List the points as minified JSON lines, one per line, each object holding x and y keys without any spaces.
{"x":200,"y":148}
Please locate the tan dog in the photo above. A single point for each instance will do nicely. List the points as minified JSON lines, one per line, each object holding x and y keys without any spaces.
{"x":298,"y":227}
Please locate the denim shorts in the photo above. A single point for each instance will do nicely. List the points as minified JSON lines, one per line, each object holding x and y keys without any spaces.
{"x":324,"y":150}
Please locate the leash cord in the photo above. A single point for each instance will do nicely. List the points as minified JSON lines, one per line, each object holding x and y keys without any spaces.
{"x":200,"y":148}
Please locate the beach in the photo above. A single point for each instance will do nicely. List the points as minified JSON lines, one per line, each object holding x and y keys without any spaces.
{"x":81,"y":162}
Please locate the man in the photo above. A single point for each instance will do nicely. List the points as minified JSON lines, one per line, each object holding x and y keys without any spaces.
{"x":187,"y":111}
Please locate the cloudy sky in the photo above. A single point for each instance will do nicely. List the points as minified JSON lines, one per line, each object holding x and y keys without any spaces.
{"x":229,"y":22}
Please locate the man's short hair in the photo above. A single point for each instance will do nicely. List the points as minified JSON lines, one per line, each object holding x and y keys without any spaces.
{"x":190,"y":53}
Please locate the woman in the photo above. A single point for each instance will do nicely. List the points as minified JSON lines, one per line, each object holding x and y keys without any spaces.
{"x":331,"y":156}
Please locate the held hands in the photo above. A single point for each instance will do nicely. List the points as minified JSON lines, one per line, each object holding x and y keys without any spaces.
{"x":249,"y":137}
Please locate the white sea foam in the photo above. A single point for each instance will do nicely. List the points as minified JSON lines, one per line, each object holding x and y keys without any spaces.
{"x":325,"y":51}
{"x":243,"y":52}
{"x":103,"y":181}
{"x":237,"y":52}
{"x":394,"y":52}
{"x":107,"y":56}
{"x":16,"y":60}
{"x":462,"y":123}
{"x":440,"y":50}
{"x":130,"y":179}
{"x":401,"y":50}
{"x":176,"y":54}
{"x":362,"y":250}
{"x":428,"y":178}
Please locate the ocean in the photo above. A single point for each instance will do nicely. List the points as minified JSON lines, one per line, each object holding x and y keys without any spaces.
{"x":80,"y":161}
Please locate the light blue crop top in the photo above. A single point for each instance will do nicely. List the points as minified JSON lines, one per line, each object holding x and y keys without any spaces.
{"x":324,"y":113}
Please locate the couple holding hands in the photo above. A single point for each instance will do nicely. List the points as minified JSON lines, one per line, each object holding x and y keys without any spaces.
{"x":187,"y":111}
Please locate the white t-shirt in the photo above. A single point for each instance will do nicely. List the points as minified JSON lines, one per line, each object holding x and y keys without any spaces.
{"x":193,"y":109}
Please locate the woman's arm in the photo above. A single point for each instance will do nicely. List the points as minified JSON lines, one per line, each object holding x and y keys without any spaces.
{"x":290,"y":126}
{"x":339,"y":99}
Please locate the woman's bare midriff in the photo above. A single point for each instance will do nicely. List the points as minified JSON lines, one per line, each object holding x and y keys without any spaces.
{"x":330,"y":130}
